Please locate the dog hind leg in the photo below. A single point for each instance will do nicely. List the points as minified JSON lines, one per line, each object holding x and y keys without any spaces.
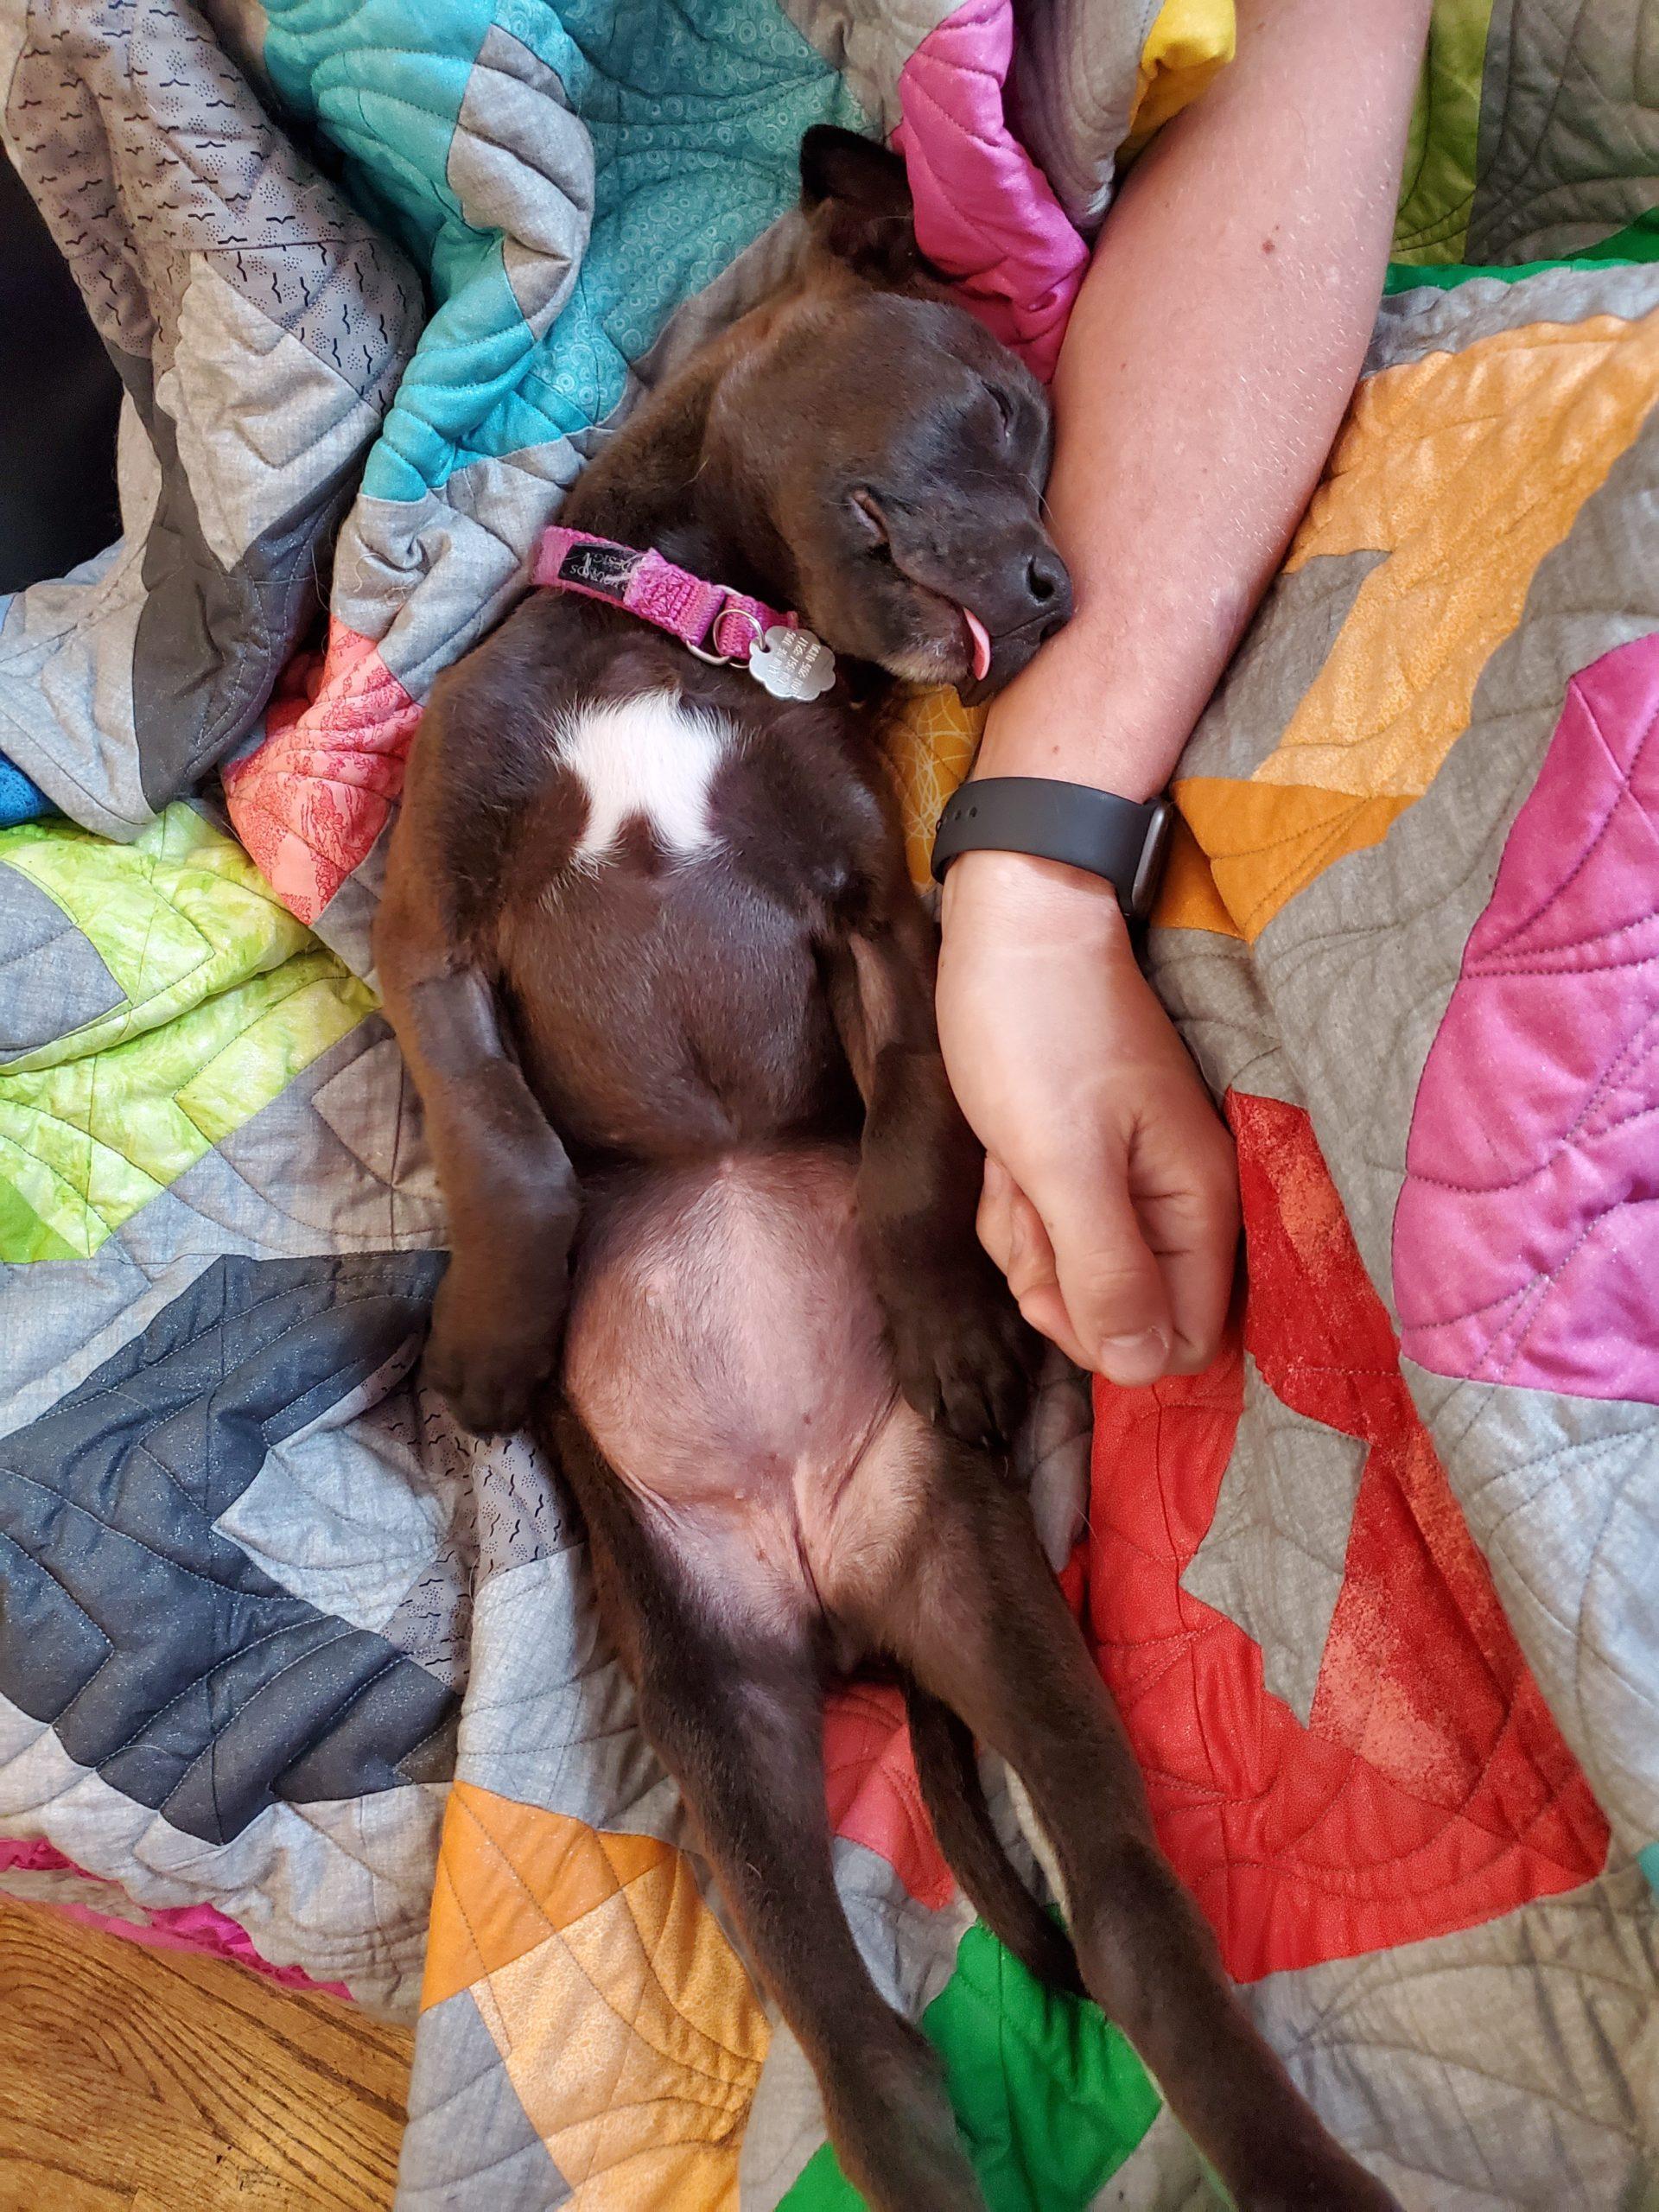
{"x":734,"y":1707}
{"x":973,"y":1611}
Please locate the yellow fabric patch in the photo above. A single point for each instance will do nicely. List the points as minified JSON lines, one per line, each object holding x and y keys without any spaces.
{"x":627,"y":2025}
{"x":1189,"y":42}
{"x":928,"y":738}
{"x":1266,"y":843}
{"x":1466,"y":469}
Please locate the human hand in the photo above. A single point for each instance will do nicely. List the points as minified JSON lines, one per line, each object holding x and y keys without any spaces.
{"x":1111,"y":1197}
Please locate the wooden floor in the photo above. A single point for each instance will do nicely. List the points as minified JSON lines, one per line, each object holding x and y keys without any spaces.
{"x":141,"y":2081}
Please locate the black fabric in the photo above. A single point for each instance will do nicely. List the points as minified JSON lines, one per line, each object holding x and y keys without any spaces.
{"x":62,"y":397}
{"x":162,"y":1656}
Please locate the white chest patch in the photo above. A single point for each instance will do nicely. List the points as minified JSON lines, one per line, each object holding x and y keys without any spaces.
{"x":650,"y":759}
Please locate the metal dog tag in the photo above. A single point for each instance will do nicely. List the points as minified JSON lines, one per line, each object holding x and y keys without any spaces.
{"x":792,"y":663}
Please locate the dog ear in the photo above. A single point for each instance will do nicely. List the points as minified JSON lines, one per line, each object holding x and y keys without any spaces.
{"x":857,"y":195}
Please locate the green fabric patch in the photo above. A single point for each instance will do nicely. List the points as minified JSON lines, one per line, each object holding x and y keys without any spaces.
{"x":1050,"y":2099}
{"x":1439,"y":186}
{"x":227,"y":998}
{"x":1637,"y":242}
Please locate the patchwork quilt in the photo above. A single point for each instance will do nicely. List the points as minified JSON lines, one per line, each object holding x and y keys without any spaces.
{"x":291,"y":1668}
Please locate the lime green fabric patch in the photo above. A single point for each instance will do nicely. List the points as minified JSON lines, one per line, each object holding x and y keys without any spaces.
{"x":1439,"y":187}
{"x":227,"y":998}
{"x":1049,"y":2098}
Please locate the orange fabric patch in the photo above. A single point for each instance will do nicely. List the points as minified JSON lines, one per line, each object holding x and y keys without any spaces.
{"x":1266,"y":843}
{"x":1467,"y":468}
{"x":507,"y":1873}
{"x":627,"y":2025}
{"x":1188,"y":898}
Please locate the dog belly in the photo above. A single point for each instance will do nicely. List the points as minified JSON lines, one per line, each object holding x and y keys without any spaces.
{"x":727,"y":1354}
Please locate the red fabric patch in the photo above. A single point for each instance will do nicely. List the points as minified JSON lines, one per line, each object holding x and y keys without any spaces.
{"x":874,"y":1798}
{"x":1433,"y":1789}
{"x":309,"y":803}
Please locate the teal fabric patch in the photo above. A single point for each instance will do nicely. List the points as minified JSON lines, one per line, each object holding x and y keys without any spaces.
{"x":695,"y":110}
{"x":1647,"y":1860}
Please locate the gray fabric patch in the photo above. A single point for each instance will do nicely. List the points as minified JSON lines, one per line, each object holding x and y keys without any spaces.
{"x":337,"y":1162}
{"x":469,"y":2140}
{"x":162,"y":177}
{"x":1569,"y":128}
{"x":1076,"y":71}
{"x":785,"y":2127}
{"x":522,"y":164}
{"x":1510,"y":2068}
{"x":161,"y":1655}
{"x":53,"y":979}
{"x":1562,"y":1495}
{"x":551,"y":1719}
{"x":1288,"y":643}
{"x":1429,"y":320}
{"x":867,"y":43}
{"x":258,"y":420}
{"x":340,"y":1888}
{"x":348,"y":1512}
{"x":1271,"y":1559}
{"x":1210,"y":985}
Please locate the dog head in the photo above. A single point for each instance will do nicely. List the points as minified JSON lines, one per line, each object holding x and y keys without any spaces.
{"x":890,"y":448}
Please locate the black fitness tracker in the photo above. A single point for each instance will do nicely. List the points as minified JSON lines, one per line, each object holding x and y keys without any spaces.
{"x":1117,"y":838}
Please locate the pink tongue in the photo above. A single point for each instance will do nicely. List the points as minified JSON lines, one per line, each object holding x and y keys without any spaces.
{"x":981,"y":640}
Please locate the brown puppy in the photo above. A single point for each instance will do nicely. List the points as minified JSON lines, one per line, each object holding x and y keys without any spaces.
{"x":650,"y":946}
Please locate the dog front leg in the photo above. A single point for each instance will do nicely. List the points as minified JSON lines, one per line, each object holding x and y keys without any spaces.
{"x":965,"y":1356}
{"x":511,"y":1194}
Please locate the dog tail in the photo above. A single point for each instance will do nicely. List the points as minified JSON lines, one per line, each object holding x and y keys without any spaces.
{"x":955,"y":1798}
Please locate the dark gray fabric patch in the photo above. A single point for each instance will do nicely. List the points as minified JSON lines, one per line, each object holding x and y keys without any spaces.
{"x":211,"y":642}
{"x":53,"y":979}
{"x":160,"y":1653}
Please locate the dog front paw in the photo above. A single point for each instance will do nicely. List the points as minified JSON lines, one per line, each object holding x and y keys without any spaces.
{"x":965,"y":1358}
{"x":486,"y":1365}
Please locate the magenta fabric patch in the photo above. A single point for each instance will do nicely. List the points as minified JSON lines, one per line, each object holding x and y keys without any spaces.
{"x":165,"y":1928}
{"x":1526,"y":1240}
{"x":984,"y":211}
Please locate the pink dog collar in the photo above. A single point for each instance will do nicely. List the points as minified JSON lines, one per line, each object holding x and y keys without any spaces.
{"x":716,"y":623}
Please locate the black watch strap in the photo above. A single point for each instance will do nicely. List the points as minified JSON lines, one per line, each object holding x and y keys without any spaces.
{"x":1117,"y":838}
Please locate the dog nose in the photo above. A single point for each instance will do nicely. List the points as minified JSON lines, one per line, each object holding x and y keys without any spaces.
{"x":1043,"y":577}
{"x":1048,"y":589}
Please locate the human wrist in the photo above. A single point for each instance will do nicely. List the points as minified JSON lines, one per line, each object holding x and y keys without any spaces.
{"x":1081,"y":714}
{"x":1038,"y":900}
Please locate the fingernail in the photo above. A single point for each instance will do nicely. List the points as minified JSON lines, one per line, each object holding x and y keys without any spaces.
{"x":1135,"y":1361}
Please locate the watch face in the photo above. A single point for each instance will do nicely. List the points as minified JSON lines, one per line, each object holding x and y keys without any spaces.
{"x":1154,"y":852}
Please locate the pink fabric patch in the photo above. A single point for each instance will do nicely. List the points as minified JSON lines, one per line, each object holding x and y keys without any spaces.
{"x":984,"y":211}
{"x":167,"y":1927}
{"x":1526,"y":1240}
{"x":310,"y":802}
{"x":872,"y":1794}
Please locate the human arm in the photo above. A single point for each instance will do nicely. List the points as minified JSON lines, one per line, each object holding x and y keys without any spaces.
{"x":1210,"y":355}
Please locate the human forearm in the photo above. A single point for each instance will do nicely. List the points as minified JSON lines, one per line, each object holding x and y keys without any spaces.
{"x":1205,"y":373}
